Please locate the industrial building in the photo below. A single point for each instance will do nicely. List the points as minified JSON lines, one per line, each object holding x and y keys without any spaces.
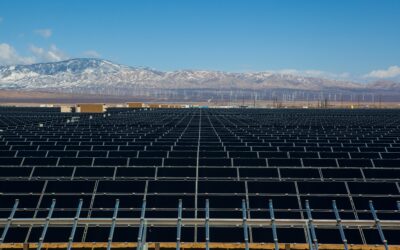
{"x":90,"y":108}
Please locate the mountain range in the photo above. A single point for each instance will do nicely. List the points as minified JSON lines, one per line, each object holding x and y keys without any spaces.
{"x":90,"y":74}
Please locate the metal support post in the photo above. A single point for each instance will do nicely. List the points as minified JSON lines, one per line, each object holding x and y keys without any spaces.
{"x":114,"y":218}
{"x":378,"y":225}
{"x":9,"y":219}
{"x":245,"y":228}
{"x":46,"y":225}
{"x":339,"y":224}
{"x":141,"y":227}
{"x":311,"y":225}
{"x":207,"y":225}
{"x":73,"y":230}
{"x":178,"y":226}
{"x":274,"y":233}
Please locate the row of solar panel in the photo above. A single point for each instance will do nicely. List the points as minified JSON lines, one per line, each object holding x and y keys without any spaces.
{"x":182,"y":186}
{"x":161,"y":206}
{"x":194,"y":141}
{"x":250,"y":173}
{"x":262,"y":135}
{"x":286,"y":206}
{"x":113,"y":143}
{"x":165,"y":234}
{"x":154,"y":161}
{"x":192,"y":119}
{"x":249,"y":121}
{"x":110,"y":145}
{"x":275,"y":134}
{"x":151,"y":132}
{"x":27,"y":152}
{"x":190,"y":154}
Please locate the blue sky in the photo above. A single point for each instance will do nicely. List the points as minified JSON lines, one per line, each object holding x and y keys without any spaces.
{"x":337,"y":38}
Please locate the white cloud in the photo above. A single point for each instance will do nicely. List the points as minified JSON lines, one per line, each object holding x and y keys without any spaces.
{"x":45,"y":33}
{"x":391,"y":72}
{"x":8,"y":55}
{"x":91,"y":53}
{"x":52,"y":54}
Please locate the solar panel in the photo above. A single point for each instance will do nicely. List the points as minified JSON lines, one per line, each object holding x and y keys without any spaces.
{"x":52,"y":172}
{"x":121,"y":187}
{"x":299,"y":173}
{"x":138,"y":172}
{"x":75,"y":161}
{"x":258,"y":173}
{"x":116,"y":161}
{"x":175,"y":187}
{"x":9,"y":161}
{"x":187,"y":162}
{"x":373,"y":188}
{"x":284,"y":162}
{"x":57,"y":153}
{"x":271,"y":187}
{"x":390,"y":163}
{"x":217,"y":172}
{"x":322,"y":188}
{"x":236,"y":165}
{"x":21,"y":186}
{"x":31,"y":153}
{"x":70,"y":186}
{"x":94,"y":172}
{"x":342,"y":173}
{"x":15,"y":172}
{"x":34,"y":161}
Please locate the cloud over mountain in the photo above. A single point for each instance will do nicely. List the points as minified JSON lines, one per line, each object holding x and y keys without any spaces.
{"x":391,"y":72}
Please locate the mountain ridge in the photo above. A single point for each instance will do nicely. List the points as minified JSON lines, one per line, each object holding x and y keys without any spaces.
{"x":98,"y":73}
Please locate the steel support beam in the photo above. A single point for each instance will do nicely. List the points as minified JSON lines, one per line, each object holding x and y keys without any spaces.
{"x":191,"y":222}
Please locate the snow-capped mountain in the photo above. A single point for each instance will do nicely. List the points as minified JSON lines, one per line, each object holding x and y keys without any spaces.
{"x":88,"y":73}
{"x":72,"y":73}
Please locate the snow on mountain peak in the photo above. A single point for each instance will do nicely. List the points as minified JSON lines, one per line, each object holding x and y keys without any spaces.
{"x":97,"y":73}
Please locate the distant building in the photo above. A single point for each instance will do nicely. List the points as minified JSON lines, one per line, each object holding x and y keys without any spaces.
{"x":135,"y":105}
{"x":153,"y":105}
{"x":65,"y":109}
{"x":90,"y":108}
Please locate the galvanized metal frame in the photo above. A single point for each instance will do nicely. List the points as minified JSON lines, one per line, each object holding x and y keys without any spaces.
{"x":309,"y":224}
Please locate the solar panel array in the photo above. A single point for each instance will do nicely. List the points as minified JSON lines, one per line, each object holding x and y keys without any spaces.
{"x":224,"y":157}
